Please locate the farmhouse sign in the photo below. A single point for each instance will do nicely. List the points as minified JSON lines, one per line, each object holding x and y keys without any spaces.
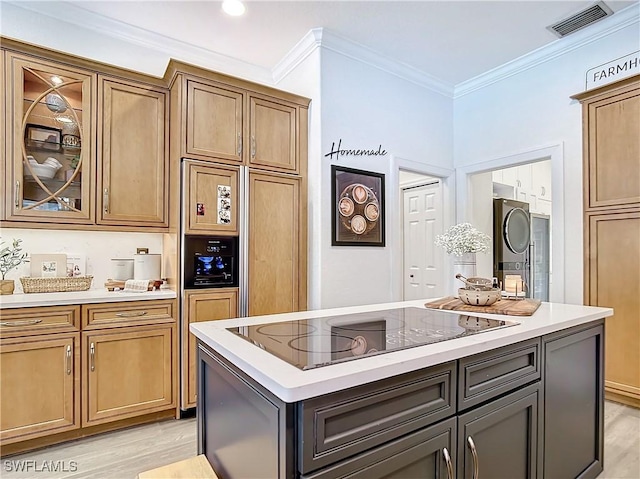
{"x":616,"y":70}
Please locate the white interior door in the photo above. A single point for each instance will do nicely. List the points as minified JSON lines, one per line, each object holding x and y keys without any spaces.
{"x":423,"y":261}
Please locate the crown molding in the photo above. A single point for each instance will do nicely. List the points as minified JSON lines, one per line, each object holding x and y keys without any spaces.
{"x":616,"y":22}
{"x":303,"y":49}
{"x":356,"y":51}
{"x":172,"y":48}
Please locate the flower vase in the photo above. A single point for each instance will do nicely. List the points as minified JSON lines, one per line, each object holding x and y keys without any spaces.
{"x":464,"y":265}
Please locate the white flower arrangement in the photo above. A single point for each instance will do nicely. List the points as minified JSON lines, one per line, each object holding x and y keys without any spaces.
{"x":463,"y":238}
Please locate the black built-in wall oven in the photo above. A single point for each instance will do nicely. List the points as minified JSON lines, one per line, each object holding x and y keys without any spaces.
{"x":210,"y":261}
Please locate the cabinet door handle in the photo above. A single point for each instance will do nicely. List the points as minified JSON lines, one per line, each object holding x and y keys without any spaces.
{"x":68,"y":359}
{"x":92,"y":356}
{"x":474,"y":454}
{"x":24,"y":322}
{"x":543,"y":191}
{"x":105,"y":200}
{"x":16,"y":199}
{"x":131,"y":314}
{"x":253,"y":146}
{"x":239,"y":144}
{"x":447,"y":460}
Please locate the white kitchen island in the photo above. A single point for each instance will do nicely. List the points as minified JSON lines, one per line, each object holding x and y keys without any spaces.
{"x":524,"y":400}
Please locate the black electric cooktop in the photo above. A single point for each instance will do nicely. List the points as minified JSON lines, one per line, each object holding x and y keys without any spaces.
{"x":315,"y":342}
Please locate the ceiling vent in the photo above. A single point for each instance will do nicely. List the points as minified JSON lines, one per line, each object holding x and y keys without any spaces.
{"x":582,"y":19}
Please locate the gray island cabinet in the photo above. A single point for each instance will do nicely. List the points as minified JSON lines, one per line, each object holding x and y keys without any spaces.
{"x":526,"y":403}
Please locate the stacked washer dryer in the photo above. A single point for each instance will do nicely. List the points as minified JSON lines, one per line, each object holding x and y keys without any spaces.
{"x":511,"y":239}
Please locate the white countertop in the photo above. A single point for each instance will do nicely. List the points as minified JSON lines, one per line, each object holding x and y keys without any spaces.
{"x":26,"y":300}
{"x":292,"y":384}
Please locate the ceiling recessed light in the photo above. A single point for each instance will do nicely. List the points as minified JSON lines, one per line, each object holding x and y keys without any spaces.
{"x":235,"y":8}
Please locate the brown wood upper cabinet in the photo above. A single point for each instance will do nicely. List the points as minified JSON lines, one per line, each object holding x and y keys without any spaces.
{"x":87,"y":143}
{"x":229,"y":124}
{"x":612,"y":147}
{"x":214,"y":121}
{"x":273,"y":136}
{"x":133,"y":154}
{"x":202,"y":197}
{"x":50,"y":135}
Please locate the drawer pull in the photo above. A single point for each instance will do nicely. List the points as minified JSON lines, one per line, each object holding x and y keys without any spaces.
{"x":447,"y":460}
{"x":131,"y":314}
{"x":92,"y":356}
{"x":474,"y":454}
{"x":68,"y":359}
{"x":25,"y":322}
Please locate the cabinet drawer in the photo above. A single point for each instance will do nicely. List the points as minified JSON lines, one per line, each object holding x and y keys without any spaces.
{"x":420,"y":454}
{"x":30,"y":321}
{"x":484,"y":376}
{"x":342,"y":424}
{"x":96,"y":316}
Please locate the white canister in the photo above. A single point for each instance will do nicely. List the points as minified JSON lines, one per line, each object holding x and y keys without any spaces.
{"x":121,"y":269}
{"x":147,"y":266}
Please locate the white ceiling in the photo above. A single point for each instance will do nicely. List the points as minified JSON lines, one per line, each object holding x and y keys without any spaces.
{"x":450,"y":40}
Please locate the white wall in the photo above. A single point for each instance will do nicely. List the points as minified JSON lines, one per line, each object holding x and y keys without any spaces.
{"x":97,"y":247}
{"x":532,"y":109}
{"x":481,"y":207}
{"x":304,"y":80}
{"x":366,"y":107}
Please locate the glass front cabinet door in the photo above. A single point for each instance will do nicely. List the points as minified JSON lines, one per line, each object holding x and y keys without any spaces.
{"x":50,"y":173}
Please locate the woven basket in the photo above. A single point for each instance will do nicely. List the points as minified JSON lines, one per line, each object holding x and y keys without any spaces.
{"x":56,"y":285}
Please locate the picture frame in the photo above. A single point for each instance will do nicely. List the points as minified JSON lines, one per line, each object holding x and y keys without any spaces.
{"x":76,"y":265}
{"x":41,"y":137}
{"x":48,"y":265}
{"x":357,"y":214}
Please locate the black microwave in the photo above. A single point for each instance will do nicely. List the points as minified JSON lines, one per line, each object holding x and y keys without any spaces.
{"x":210,"y":261}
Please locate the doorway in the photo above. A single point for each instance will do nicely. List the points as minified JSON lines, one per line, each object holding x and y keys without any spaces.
{"x":422,"y":221}
{"x":541,"y":167}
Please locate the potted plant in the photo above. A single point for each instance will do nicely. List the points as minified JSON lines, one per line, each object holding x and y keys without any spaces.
{"x":10,"y":257}
{"x":463,"y":241}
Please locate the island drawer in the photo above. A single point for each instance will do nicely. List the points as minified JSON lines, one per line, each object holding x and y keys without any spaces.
{"x":38,"y":320}
{"x":487,"y":375}
{"x":127,"y":313}
{"x":416,"y":455}
{"x":339,"y":425}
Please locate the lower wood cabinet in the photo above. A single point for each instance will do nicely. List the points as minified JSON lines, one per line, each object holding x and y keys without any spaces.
{"x":39,"y":386}
{"x":58,"y":379}
{"x":201,"y":305}
{"x":612,"y":277}
{"x":126,"y":373}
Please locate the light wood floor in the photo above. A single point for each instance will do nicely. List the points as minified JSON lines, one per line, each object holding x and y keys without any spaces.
{"x":124,"y":454}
